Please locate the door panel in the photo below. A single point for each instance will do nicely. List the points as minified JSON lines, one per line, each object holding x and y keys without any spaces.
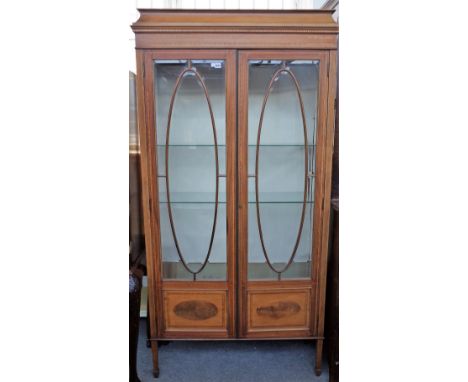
{"x":284,"y":308}
{"x":190,"y":140}
{"x":281,"y":126}
{"x":193,"y":186}
{"x":281,"y":138}
{"x":189,"y":310}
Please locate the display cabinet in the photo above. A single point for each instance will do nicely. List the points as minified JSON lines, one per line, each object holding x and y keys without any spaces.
{"x":236,"y":112}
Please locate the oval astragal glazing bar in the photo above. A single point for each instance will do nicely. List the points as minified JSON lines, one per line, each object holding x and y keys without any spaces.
{"x":306,"y":159}
{"x":191,"y":71}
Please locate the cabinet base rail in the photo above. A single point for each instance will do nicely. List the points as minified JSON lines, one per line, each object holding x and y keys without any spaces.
{"x":234,"y":339}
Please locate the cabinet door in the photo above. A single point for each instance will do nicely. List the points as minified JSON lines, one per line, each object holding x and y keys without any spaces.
{"x":282,"y":107}
{"x":193,"y":158}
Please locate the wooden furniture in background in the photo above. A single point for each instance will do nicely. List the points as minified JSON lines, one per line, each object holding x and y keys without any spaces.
{"x":236,"y":114}
{"x":332,"y":305}
{"x":134,"y":323}
{"x":332,"y":301}
{"x":136,"y":213}
{"x":136,"y":239}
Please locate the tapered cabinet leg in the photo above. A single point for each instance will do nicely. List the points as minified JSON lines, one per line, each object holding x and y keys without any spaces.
{"x":318,"y":358}
{"x":154,"y":350}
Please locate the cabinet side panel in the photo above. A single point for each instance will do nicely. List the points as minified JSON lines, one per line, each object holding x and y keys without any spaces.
{"x":143,"y":133}
{"x":322,"y":277}
{"x":155,"y":254}
{"x":320,"y":182}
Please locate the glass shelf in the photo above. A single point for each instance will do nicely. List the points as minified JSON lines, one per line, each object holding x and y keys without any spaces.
{"x":208,"y":198}
{"x":211,"y":145}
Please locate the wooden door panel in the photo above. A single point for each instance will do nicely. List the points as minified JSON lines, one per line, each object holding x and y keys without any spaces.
{"x":203,"y":303}
{"x":278,"y":310}
{"x":191,"y":311}
{"x":280,"y":265}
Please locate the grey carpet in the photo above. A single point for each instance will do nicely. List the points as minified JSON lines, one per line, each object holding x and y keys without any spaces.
{"x":230,"y":361}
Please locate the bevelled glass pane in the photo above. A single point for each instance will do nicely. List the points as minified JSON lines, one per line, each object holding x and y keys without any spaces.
{"x":281,"y":164}
{"x":190,"y":126}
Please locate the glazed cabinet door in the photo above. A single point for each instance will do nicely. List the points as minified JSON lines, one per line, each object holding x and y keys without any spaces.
{"x":282,"y":120}
{"x":191,"y":145}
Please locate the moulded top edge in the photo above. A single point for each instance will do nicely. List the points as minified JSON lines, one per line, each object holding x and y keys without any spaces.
{"x":231,"y":11}
{"x":281,"y":19}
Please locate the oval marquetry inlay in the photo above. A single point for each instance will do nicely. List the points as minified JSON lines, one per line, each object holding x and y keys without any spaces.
{"x":195,"y":310}
{"x":279,"y":309}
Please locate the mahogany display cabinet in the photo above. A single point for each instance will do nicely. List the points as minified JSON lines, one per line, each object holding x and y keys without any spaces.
{"x":236,"y":113}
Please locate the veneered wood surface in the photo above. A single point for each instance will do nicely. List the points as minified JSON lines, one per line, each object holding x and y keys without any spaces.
{"x":231,"y":187}
{"x":279,"y":310}
{"x":153,"y":275}
{"x":242,"y":191}
{"x":235,"y":29}
{"x":328,"y":154}
{"x":195,"y":310}
{"x":273,"y":40}
{"x":165,"y":19}
{"x":190,"y":310}
{"x":160,"y":285}
{"x":154,"y":288}
{"x":244,"y":313}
